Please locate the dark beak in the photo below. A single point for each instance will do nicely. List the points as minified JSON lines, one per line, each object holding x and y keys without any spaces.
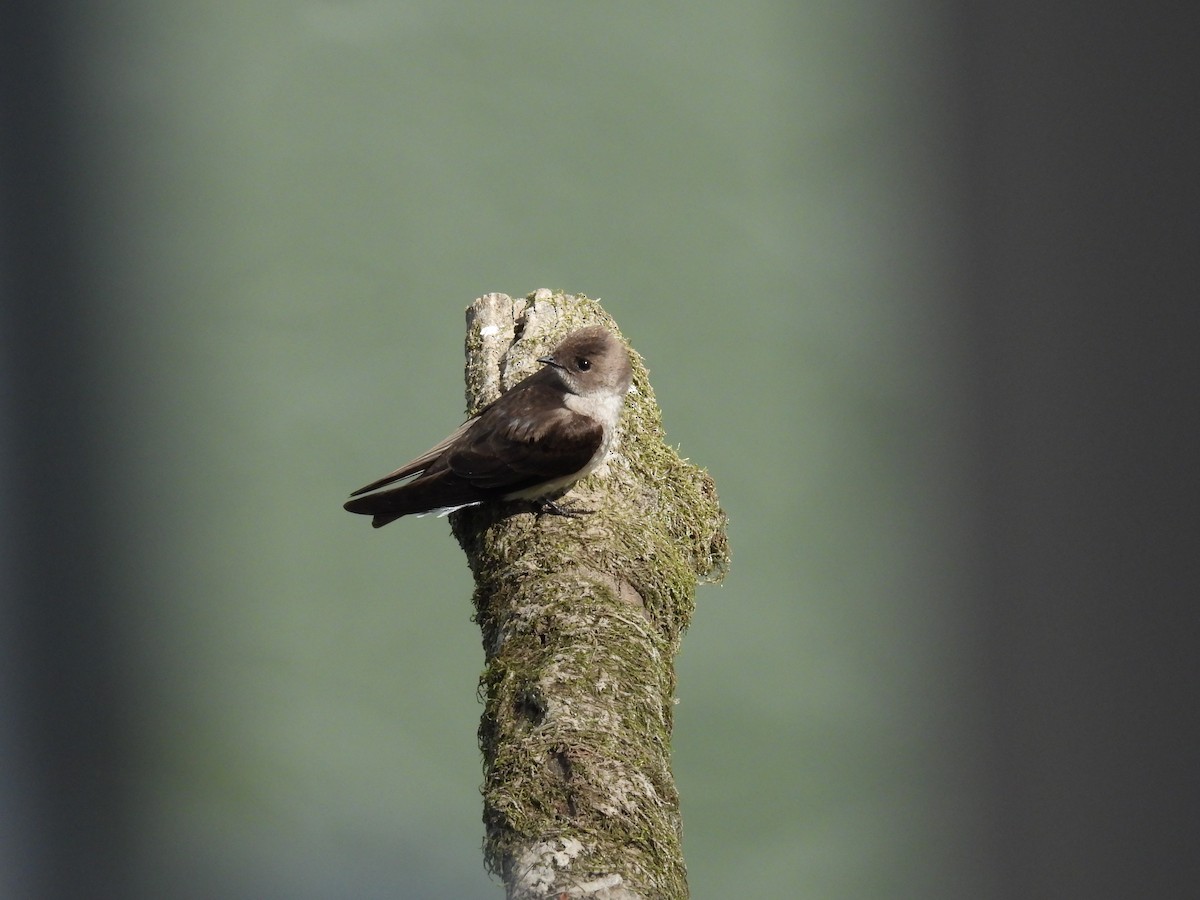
{"x":550,"y":361}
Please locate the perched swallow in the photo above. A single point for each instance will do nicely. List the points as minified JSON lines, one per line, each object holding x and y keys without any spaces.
{"x":532,"y":443}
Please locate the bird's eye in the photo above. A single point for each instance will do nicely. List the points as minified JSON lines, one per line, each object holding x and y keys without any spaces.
{"x":583,"y":363}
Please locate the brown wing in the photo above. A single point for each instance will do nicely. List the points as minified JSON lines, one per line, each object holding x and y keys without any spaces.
{"x":421,"y":463}
{"x":523,"y":439}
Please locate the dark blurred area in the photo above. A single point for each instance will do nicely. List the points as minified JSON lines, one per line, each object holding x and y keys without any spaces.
{"x":1082,"y":202}
{"x":1079,"y":191}
{"x":63,"y":810}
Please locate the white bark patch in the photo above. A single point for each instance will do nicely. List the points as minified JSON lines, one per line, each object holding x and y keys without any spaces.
{"x":539,"y":866}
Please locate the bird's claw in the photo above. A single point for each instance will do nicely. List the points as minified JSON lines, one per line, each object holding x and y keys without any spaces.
{"x":549,"y":507}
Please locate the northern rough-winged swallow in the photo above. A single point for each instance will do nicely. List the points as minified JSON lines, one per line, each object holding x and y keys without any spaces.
{"x":532,"y":443}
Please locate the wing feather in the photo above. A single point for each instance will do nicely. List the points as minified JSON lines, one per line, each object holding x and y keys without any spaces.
{"x":421,"y":463}
{"x":523,"y":439}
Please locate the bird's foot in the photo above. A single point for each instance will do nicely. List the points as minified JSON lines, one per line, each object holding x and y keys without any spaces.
{"x":549,"y":507}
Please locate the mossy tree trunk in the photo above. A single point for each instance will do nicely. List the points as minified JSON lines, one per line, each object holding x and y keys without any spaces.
{"x":581,"y":621}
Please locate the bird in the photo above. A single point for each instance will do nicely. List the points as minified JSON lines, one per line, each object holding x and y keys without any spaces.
{"x":532,"y":443}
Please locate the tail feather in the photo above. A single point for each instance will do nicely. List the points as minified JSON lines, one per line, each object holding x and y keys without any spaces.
{"x":444,"y":491}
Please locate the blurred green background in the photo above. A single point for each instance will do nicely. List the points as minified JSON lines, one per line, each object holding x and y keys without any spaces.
{"x":300,"y":200}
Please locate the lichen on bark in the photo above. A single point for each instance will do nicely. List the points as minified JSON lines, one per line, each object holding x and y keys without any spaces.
{"x":581,"y":620}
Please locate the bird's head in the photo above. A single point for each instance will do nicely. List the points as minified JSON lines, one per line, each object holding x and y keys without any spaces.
{"x":591,"y":361}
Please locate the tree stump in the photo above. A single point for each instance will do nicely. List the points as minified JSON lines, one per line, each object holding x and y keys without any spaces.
{"x":581,"y":620}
